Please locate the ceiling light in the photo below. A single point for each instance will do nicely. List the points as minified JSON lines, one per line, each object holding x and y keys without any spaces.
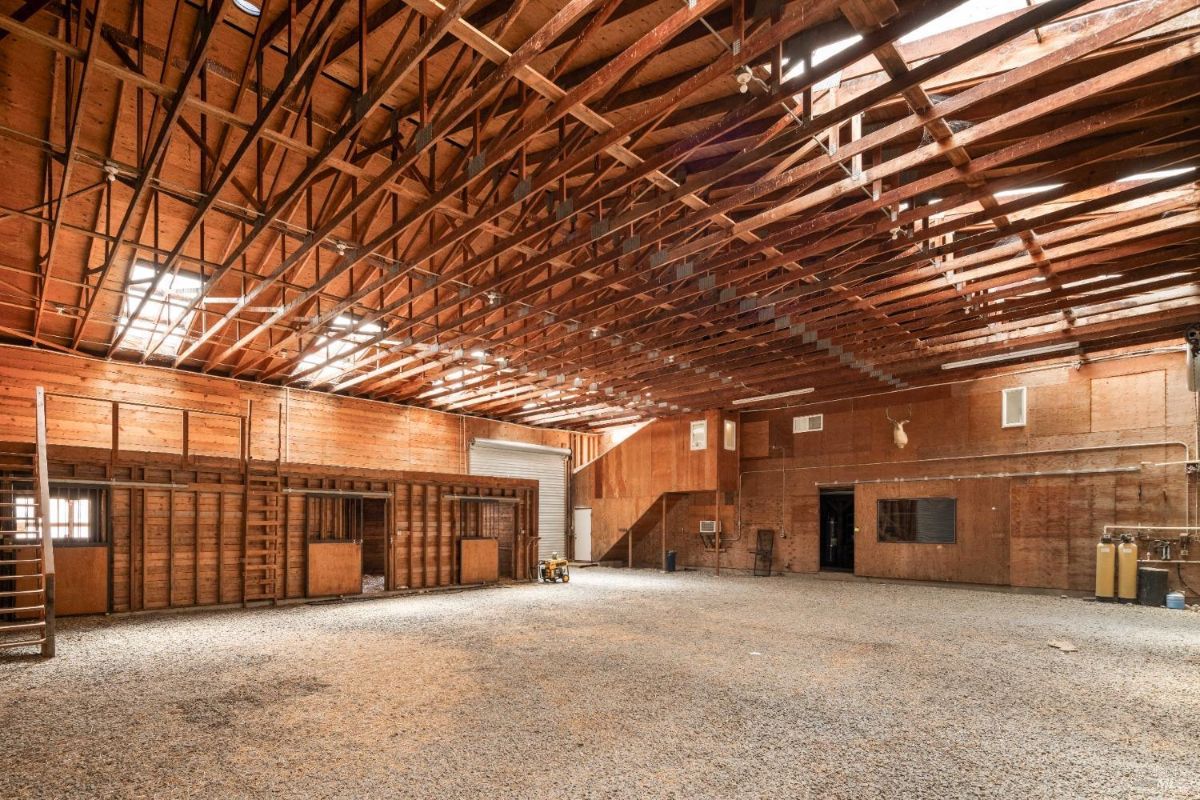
{"x":1012,"y":355}
{"x":744,"y":76}
{"x":480,"y":354}
{"x":760,"y":398}
{"x":250,"y":8}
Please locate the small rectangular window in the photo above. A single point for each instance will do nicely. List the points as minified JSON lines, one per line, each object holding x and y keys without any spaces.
{"x":699,"y":434}
{"x":924,"y":520}
{"x":808,"y":424}
{"x":1013,"y":407}
{"x":730,"y":435}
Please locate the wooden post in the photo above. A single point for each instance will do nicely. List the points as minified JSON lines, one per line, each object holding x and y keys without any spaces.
{"x":664,"y":532}
{"x":220,"y":547}
{"x":116,"y":431}
{"x":717,"y":516}
{"x":629,"y":545}
{"x":47,"y":535}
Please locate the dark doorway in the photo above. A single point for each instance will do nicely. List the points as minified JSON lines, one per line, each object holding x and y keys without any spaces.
{"x":837,"y":529}
{"x":374,"y":544}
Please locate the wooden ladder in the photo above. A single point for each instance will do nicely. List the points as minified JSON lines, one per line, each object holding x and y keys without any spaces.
{"x":262,"y":523}
{"x":26,"y":597}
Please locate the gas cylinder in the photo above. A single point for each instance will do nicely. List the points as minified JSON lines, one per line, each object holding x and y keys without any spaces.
{"x":1106,"y":569}
{"x":1127,"y":553}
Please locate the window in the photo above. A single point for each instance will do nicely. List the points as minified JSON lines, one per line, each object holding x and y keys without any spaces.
{"x":1012,"y":408}
{"x":74,"y":516}
{"x":166,"y":305}
{"x":699,"y":434}
{"x":924,"y":520}
{"x":812,"y":422}
{"x":730,"y":435}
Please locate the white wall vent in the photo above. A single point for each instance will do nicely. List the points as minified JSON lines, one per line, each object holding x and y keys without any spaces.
{"x":1012,"y":408}
{"x":808,"y":424}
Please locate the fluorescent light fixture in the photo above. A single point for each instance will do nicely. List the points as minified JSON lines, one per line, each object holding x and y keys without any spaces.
{"x":1012,"y":355}
{"x":480,"y":354}
{"x":761,"y":398}
{"x":1047,"y":187}
{"x":602,"y":423}
{"x":253,"y":9}
{"x":1162,"y":173}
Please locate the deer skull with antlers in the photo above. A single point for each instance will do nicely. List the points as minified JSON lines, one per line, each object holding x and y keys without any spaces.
{"x":898,"y":434}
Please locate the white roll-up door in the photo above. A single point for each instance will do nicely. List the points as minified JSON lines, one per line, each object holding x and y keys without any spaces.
{"x":546,"y":465}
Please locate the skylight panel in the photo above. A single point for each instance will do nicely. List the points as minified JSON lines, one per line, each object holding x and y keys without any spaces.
{"x":1157,"y":175}
{"x":166,"y":297}
{"x":346,"y":331}
{"x":329,"y":351}
{"x":964,"y":14}
{"x":1049,"y":187}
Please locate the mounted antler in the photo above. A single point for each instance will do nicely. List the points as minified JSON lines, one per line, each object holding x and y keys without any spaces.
{"x":898,"y":434}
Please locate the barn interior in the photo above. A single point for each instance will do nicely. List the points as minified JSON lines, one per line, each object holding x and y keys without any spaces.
{"x":712,"y":398}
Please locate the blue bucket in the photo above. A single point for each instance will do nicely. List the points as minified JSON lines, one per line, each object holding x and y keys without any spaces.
{"x":1175,"y":600}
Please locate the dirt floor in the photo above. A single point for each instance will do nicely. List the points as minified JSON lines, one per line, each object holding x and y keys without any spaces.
{"x":619,"y":684}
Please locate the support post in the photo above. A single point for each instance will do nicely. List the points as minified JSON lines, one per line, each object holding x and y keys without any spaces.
{"x":664,"y":532}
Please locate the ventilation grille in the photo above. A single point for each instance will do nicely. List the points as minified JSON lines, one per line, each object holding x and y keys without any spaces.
{"x":808,"y":424}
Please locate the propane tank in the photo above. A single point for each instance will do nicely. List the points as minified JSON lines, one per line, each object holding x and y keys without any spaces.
{"x":1106,"y":569}
{"x":1127,"y":554}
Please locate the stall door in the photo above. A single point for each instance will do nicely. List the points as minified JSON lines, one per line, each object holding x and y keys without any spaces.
{"x":546,"y":465}
{"x":333,"y":527}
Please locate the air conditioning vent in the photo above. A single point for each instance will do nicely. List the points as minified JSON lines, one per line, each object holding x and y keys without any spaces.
{"x":1012,"y":408}
{"x":808,"y":424}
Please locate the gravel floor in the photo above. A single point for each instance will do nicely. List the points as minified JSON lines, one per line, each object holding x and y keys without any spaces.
{"x":619,"y":684}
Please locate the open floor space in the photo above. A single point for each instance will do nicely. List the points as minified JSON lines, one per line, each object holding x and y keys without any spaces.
{"x":620,"y":684}
{"x":600,"y":399}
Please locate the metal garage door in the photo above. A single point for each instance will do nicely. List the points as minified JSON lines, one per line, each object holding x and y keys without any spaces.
{"x":546,"y":465}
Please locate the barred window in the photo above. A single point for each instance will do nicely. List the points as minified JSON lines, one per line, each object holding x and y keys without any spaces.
{"x":74,"y":516}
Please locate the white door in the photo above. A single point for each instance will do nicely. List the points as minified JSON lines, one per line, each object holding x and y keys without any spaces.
{"x":546,"y":465}
{"x":583,"y":534}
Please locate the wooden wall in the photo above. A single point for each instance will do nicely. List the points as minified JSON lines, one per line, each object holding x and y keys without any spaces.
{"x":1014,"y":528}
{"x":175,"y":531}
{"x":319,"y":428}
{"x":626,"y":482}
{"x":1026,"y":531}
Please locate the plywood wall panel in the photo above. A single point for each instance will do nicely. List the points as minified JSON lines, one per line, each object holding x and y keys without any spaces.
{"x":980,"y":553}
{"x":1129,"y":402}
{"x":1129,"y":413}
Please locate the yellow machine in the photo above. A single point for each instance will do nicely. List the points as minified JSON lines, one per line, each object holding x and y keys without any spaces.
{"x":1106,"y":569}
{"x":1127,"y":569}
{"x":554,"y":569}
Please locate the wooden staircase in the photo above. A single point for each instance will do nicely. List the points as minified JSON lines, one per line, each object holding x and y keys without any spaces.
{"x":650,"y":520}
{"x":262,"y":523}
{"x":26,"y":549}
